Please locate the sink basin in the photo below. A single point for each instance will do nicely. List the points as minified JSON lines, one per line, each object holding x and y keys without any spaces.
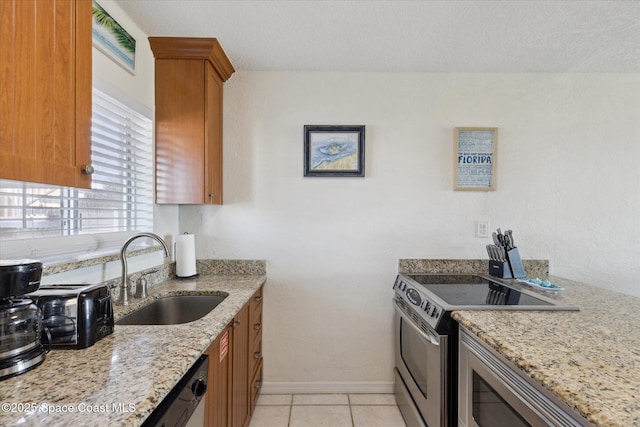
{"x":173,"y":310}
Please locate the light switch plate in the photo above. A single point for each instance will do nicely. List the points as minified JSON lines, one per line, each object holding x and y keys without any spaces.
{"x":482,"y":229}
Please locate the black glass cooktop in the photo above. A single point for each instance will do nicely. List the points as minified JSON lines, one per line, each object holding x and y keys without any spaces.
{"x":471,"y":290}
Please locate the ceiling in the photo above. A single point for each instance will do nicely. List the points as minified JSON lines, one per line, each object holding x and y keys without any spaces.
{"x":407,"y":36}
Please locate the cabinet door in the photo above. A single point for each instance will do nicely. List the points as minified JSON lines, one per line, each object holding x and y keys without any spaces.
{"x":213,"y":137}
{"x":45,"y":91}
{"x":219,"y":380}
{"x":240,"y":367}
{"x":180,"y":113}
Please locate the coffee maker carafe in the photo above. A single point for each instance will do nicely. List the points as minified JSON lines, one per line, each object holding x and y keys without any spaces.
{"x":20,"y":319}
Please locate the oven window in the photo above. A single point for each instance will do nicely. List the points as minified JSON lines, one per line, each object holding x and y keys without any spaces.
{"x":414,"y":352}
{"x":490,"y":409}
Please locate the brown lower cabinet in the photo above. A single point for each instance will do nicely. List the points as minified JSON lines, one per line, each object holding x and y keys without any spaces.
{"x":235,"y":369}
{"x":218,"y":383}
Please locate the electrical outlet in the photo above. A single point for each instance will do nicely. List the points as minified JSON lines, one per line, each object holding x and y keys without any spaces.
{"x":483,"y":229}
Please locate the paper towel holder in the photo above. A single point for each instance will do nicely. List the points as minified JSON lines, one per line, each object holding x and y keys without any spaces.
{"x":186,"y":256}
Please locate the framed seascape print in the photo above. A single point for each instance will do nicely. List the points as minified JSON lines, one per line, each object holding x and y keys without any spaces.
{"x":334,"y":150}
{"x":112,"y":39}
{"x":475,"y":158}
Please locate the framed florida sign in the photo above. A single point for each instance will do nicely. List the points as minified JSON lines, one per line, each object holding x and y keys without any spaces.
{"x":475,"y":158}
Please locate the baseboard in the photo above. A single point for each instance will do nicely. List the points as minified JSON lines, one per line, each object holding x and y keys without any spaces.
{"x":369,"y":387}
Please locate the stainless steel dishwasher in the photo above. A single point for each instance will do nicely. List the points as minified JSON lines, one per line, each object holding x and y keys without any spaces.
{"x":182,"y":406}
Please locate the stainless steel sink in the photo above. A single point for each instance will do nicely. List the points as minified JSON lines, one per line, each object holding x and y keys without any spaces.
{"x":173,"y":310}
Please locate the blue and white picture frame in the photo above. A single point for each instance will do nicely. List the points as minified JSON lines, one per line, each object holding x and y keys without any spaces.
{"x":110,"y":38}
{"x":334,"y":151}
{"x":475,"y":150}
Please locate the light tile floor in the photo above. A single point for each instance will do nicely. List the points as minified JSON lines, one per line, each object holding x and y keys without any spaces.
{"x":331,"y":410}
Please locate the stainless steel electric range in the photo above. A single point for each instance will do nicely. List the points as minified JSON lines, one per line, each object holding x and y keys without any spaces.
{"x":426,"y":337}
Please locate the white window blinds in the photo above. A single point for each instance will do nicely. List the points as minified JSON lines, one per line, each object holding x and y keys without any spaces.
{"x":121,"y":197}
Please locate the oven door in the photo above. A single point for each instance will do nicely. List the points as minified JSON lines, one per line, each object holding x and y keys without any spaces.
{"x":492,"y":394}
{"x":488,"y":401}
{"x":420,"y":356}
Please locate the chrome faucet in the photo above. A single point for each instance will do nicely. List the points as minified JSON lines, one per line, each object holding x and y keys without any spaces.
{"x":123,"y":295}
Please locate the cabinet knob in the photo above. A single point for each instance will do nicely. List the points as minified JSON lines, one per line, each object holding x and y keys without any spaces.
{"x":257,"y":326}
{"x":257,"y":355}
{"x":88,"y":169}
{"x":199,"y":388}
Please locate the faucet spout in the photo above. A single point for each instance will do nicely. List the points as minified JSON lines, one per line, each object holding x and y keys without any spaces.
{"x":123,"y":295}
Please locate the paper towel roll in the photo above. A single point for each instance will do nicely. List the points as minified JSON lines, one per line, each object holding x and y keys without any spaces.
{"x":185,"y":255}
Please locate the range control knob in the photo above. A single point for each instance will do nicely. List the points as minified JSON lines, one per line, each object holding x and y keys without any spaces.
{"x":414,"y":297}
{"x":427,"y":305}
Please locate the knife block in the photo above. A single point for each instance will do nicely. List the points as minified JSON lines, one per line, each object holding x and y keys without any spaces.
{"x":517,"y":269}
{"x":500,"y":269}
{"x":510,"y":269}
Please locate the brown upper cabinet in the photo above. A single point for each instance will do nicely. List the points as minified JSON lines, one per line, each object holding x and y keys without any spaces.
{"x":45,"y":91}
{"x":189,"y":74}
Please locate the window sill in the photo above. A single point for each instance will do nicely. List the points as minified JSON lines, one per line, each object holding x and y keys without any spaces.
{"x":52,"y":268}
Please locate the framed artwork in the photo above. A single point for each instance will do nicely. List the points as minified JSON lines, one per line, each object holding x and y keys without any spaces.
{"x":110,"y":38}
{"x":475,"y":158}
{"x":334,"y":150}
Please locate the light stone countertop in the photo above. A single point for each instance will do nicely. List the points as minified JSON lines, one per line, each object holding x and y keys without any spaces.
{"x":135,"y":367}
{"x":590,"y":358}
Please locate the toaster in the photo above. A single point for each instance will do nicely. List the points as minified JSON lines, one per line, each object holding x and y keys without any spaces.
{"x":74,"y":316}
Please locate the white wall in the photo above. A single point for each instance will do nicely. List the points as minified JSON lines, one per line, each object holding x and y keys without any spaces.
{"x":568,"y":184}
{"x":138,"y":86}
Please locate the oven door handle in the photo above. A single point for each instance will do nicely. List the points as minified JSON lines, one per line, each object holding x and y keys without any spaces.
{"x":429,"y":337}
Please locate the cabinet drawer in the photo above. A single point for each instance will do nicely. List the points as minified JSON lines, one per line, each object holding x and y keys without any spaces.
{"x":255,"y":356}
{"x":255,"y":324}
{"x":256,"y":301}
{"x":256,"y":385}
{"x":255,"y":317}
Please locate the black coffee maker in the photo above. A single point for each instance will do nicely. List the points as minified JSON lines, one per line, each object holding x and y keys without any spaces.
{"x":20,"y":319}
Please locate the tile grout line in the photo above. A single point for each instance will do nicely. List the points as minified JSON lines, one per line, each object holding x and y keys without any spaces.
{"x":350,"y":411}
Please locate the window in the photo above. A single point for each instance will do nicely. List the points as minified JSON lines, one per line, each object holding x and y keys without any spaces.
{"x":121,"y":197}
